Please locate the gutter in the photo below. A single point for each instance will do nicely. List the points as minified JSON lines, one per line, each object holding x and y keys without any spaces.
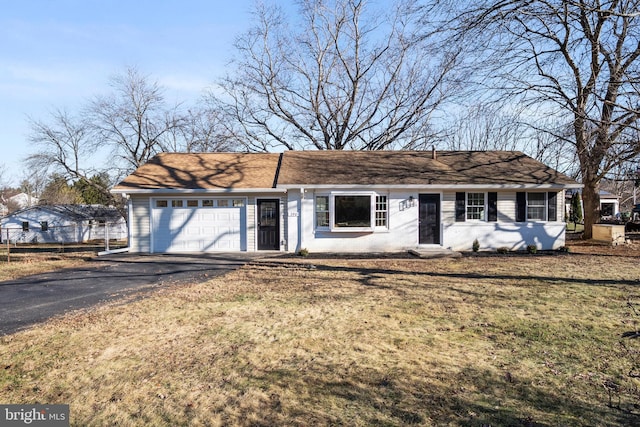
{"x":199,"y":191}
{"x":432,"y":186}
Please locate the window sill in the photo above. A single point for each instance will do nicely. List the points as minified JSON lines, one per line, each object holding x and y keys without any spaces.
{"x":350,"y":230}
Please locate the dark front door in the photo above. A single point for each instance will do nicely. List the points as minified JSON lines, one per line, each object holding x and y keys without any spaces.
{"x":429,"y":219}
{"x":268,"y":225}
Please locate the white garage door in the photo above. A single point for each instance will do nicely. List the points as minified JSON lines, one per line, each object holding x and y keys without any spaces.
{"x":198,"y":225}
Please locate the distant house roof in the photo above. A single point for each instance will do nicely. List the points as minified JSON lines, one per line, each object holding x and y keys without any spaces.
{"x":75,"y":212}
{"x":23,"y":200}
{"x":219,"y":171}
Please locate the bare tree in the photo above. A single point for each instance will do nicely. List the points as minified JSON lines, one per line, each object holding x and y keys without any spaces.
{"x":133,"y":120}
{"x":202,"y":130}
{"x":341,"y":75}
{"x":64,"y":147}
{"x":576,"y":60}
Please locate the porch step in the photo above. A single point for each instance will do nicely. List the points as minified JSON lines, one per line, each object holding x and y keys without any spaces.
{"x":434,"y":253}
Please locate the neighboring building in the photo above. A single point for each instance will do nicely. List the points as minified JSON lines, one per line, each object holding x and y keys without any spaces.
{"x":15,"y":202}
{"x":22,"y":200}
{"x":63,"y":224}
{"x":344,"y":201}
{"x":609,"y":205}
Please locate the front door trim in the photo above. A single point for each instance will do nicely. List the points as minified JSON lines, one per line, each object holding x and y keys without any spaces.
{"x":267,"y":235}
{"x":430,"y":228}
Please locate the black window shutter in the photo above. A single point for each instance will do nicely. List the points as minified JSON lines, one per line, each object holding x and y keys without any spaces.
{"x":461,"y":206}
{"x":493,"y":206}
{"x":521,"y":206}
{"x":552,"y":206}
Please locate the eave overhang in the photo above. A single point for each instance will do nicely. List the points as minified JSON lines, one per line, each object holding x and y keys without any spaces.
{"x":191,"y":191}
{"x":433,"y":186}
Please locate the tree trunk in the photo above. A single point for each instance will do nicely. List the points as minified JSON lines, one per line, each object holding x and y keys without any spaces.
{"x":591,"y":203}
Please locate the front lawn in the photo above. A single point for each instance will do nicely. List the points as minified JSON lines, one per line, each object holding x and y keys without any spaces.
{"x":522,"y":340}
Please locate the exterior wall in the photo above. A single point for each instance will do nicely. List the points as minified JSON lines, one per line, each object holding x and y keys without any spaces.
{"x":298,"y":231}
{"x":403,"y":228}
{"x":60,"y":228}
{"x":515,"y":236}
{"x":140,"y":238}
{"x":402,"y":232}
{"x":139,"y":225}
{"x":505,"y":232}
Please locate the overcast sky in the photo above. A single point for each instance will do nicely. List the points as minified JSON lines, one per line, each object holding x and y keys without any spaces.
{"x":59,"y":53}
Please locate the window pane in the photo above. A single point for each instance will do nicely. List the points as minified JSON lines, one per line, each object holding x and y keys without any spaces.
{"x":176,"y":203}
{"x":535,"y":213}
{"x":475,"y":206}
{"x":475,"y":199}
{"x":322,"y":211}
{"x":238,"y":203}
{"x":223,"y":203}
{"x":536,"y":199}
{"x":192,"y":203}
{"x":207,"y":203}
{"x":352,"y":211}
{"x":536,"y":206}
{"x":381,"y":211}
{"x":322,"y":203}
{"x":475,"y":213}
{"x":161,"y":204}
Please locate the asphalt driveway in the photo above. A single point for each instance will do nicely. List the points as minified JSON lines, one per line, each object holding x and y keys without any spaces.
{"x":33,"y":299}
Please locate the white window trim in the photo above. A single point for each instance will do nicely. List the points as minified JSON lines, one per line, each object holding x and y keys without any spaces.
{"x":315,"y":212}
{"x":545,"y":212}
{"x":332,"y":227}
{"x":467,"y":206}
{"x":375,"y":210}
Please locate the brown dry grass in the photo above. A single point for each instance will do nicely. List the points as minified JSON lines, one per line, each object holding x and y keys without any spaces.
{"x":513,"y":340}
{"x":26,"y":264}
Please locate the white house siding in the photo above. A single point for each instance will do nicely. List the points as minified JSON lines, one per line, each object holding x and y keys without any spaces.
{"x":507,"y":206}
{"x":459,"y":236}
{"x":140,"y":225}
{"x":293,"y":231}
{"x":402,"y":232}
{"x":61,"y":229}
{"x":505,"y":232}
{"x":140,"y":228}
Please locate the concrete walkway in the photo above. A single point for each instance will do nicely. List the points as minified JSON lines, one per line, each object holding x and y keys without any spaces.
{"x":434,"y":253}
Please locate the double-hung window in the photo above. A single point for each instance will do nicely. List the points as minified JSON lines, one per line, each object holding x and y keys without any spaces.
{"x":475,"y":206}
{"x":322,"y":211}
{"x":351,"y":211}
{"x":536,"y":206}
{"x":381,"y":211}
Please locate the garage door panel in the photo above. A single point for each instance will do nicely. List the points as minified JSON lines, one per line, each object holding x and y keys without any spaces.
{"x":199,"y":229}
